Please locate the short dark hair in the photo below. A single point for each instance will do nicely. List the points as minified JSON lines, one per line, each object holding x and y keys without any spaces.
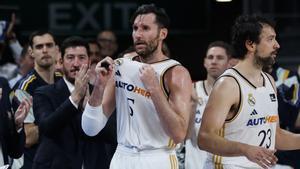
{"x":39,"y":33}
{"x":74,"y":41}
{"x":247,"y":27}
{"x":162,"y":19}
{"x":228,"y":48}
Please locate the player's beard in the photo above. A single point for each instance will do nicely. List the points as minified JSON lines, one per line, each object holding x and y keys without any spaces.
{"x":151,"y":46}
{"x":264,"y":61}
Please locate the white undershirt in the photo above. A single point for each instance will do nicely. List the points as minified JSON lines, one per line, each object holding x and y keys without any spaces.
{"x":71,"y":87}
{"x":1,"y":156}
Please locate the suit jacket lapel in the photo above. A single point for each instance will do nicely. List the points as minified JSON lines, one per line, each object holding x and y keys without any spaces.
{"x":62,"y":88}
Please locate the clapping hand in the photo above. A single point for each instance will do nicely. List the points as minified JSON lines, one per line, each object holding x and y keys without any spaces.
{"x":22,"y":112}
{"x":81,"y":84}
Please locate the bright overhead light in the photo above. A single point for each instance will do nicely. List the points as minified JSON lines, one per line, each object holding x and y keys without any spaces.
{"x":223,"y":0}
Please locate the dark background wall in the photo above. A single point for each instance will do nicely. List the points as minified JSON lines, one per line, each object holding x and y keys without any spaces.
{"x":193,"y":23}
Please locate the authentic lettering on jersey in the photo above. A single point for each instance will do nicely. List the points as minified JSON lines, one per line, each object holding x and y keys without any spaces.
{"x":132,"y":88}
{"x":262,"y":120}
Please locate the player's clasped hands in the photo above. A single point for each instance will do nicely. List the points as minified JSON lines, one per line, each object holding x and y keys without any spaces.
{"x":261,"y":156}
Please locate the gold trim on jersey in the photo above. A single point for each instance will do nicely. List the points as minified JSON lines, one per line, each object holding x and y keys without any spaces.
{"x":240,"y":100}
{"x":274,"y":87}
{"x":162,"y":86}
{"x":171,"y":144}
{"x":28,"y":82}
{"x":162,"y":82}
{"x":217,"y":160}
{"x":238,"y":112}
{"x":247,"y":81}
{"x":173,"y":161}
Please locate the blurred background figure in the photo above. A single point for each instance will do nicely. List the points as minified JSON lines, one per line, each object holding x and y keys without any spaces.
{"x":58,"y":62}
{"x":95,"y":57}
{"x":287,"y":83}
{"x":216,"y":61}
{"x":107,"y":40}
{"x":26,"y":63}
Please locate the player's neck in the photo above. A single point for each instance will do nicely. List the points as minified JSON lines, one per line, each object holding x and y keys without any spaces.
{"x":248,"y":68}
{"x":250,"y":72}
{"x":156,"y":56}
{"x":46,"y":74}
{"x":208,"y":83}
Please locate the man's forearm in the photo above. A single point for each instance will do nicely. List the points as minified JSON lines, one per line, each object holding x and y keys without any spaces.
{"x":96,"y":96}
{"x":286,"y":140}
{"x":220,"y":146}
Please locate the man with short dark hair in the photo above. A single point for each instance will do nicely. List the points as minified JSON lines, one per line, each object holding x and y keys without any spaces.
{"x":240,"y":125}
{"x":57,"y":108}
{"x":151,"y":94}
{"x":43,"y":50}
{"x":216,"y":61}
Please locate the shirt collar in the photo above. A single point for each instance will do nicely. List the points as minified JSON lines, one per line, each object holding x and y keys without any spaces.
{"x":69,"y":84}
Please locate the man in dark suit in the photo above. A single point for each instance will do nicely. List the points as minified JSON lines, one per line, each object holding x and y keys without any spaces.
{"x":12,"y":137}
{"x":58,"y":108}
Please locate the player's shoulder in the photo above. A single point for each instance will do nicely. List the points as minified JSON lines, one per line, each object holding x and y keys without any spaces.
{"x":178,"y":72}
{"x":226,"y":82}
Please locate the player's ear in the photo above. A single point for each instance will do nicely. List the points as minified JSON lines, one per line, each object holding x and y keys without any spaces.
{"x":250,"y":45}
{"x":163,"y":33}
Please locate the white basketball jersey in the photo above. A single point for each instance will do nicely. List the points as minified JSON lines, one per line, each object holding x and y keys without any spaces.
{"x":256,"y":120}
{"x":194,"y":157}
{"x":138,"y":123}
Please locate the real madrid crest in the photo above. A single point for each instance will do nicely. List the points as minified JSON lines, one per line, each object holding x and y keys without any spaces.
{"x":118,"y":62}
{"x":200,"y":101}
{"x":251,"y":99}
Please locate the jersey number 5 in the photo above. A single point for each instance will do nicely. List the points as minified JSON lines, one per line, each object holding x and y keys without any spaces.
{"x":130,"y":102}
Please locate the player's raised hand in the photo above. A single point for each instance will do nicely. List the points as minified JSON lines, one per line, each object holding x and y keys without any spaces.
{"x":149,"y":78}
{"x":104,"y":71}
